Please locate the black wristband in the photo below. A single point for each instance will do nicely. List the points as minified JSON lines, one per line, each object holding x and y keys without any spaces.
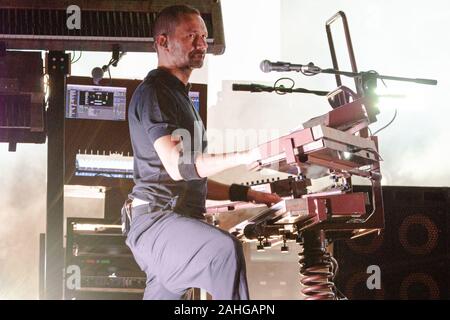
{"x":238,"y":192}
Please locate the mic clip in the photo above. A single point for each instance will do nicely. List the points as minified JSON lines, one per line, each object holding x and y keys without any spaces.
{"x":97,"y":72}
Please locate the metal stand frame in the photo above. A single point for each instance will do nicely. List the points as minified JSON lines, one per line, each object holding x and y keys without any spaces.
{"x":57,"y":63}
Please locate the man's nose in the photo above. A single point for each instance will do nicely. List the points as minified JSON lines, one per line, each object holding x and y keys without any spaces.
{"x":201,"y":43}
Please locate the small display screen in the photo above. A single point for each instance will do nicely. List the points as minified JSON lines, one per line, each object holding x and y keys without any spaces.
{"x":96,"y":102}
{"x":105,"y":99}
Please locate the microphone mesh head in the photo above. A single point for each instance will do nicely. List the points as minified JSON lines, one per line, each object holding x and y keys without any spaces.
{"x":97,"y":74}
{"x":265,"y":66}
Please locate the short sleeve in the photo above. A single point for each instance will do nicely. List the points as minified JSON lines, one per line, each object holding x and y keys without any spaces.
{"x":158,"y":112}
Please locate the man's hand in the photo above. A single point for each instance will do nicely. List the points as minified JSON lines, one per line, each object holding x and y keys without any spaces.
{"x":262,"y":197}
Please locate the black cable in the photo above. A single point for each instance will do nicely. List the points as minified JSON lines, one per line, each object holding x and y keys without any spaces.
{"x":110,"y":79}
{"x":336,"y":290}
{"x":317,"y":93}
{"x":81,"y":54}
{"x":275,"y":87}
{"x":376,"y":152}
{"x":308,"y":73}
{"x":79,"y":57}
{"x":390,"y":122}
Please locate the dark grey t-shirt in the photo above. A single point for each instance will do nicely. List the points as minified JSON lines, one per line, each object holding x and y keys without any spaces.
{"x":159,"y":106}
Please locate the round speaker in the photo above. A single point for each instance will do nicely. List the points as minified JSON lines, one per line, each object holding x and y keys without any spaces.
{"x":418,"y":234}
{"x":419,"y":286}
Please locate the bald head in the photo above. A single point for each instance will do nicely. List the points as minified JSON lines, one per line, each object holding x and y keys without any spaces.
{"x":170,"y":17}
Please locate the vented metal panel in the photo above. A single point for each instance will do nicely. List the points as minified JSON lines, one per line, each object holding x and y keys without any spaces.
{"x":15,"y":112}
{"x":18,"y":118}
{"x":40,"y":22}
{"x":128,"y":25}
{"x":21,"y":97}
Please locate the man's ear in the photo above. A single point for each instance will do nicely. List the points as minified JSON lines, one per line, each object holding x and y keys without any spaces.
{"x":161,"y":40}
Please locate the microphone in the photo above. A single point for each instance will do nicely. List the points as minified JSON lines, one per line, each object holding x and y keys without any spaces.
{"x":279,"y":66}
{"x":249,"y":87}
{"x":97,"y":74}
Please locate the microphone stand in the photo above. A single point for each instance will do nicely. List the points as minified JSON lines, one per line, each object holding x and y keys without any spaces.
{"x":116,"y":56}
{"x":367,"y":81}
{"x":378,"y":76}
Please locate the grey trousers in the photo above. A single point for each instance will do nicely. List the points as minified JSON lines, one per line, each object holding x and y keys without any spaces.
{"x":178,"y":253}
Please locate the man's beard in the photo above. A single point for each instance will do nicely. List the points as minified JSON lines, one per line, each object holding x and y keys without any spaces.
{"x":196,"y":59}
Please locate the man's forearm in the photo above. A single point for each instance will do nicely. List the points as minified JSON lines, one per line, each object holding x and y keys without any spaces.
{"x":218,"y":191}
{"x":210,"y":164}
{"x":206,"y":165}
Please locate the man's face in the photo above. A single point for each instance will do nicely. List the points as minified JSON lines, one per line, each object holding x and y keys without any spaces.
{"x":187,"y":44}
